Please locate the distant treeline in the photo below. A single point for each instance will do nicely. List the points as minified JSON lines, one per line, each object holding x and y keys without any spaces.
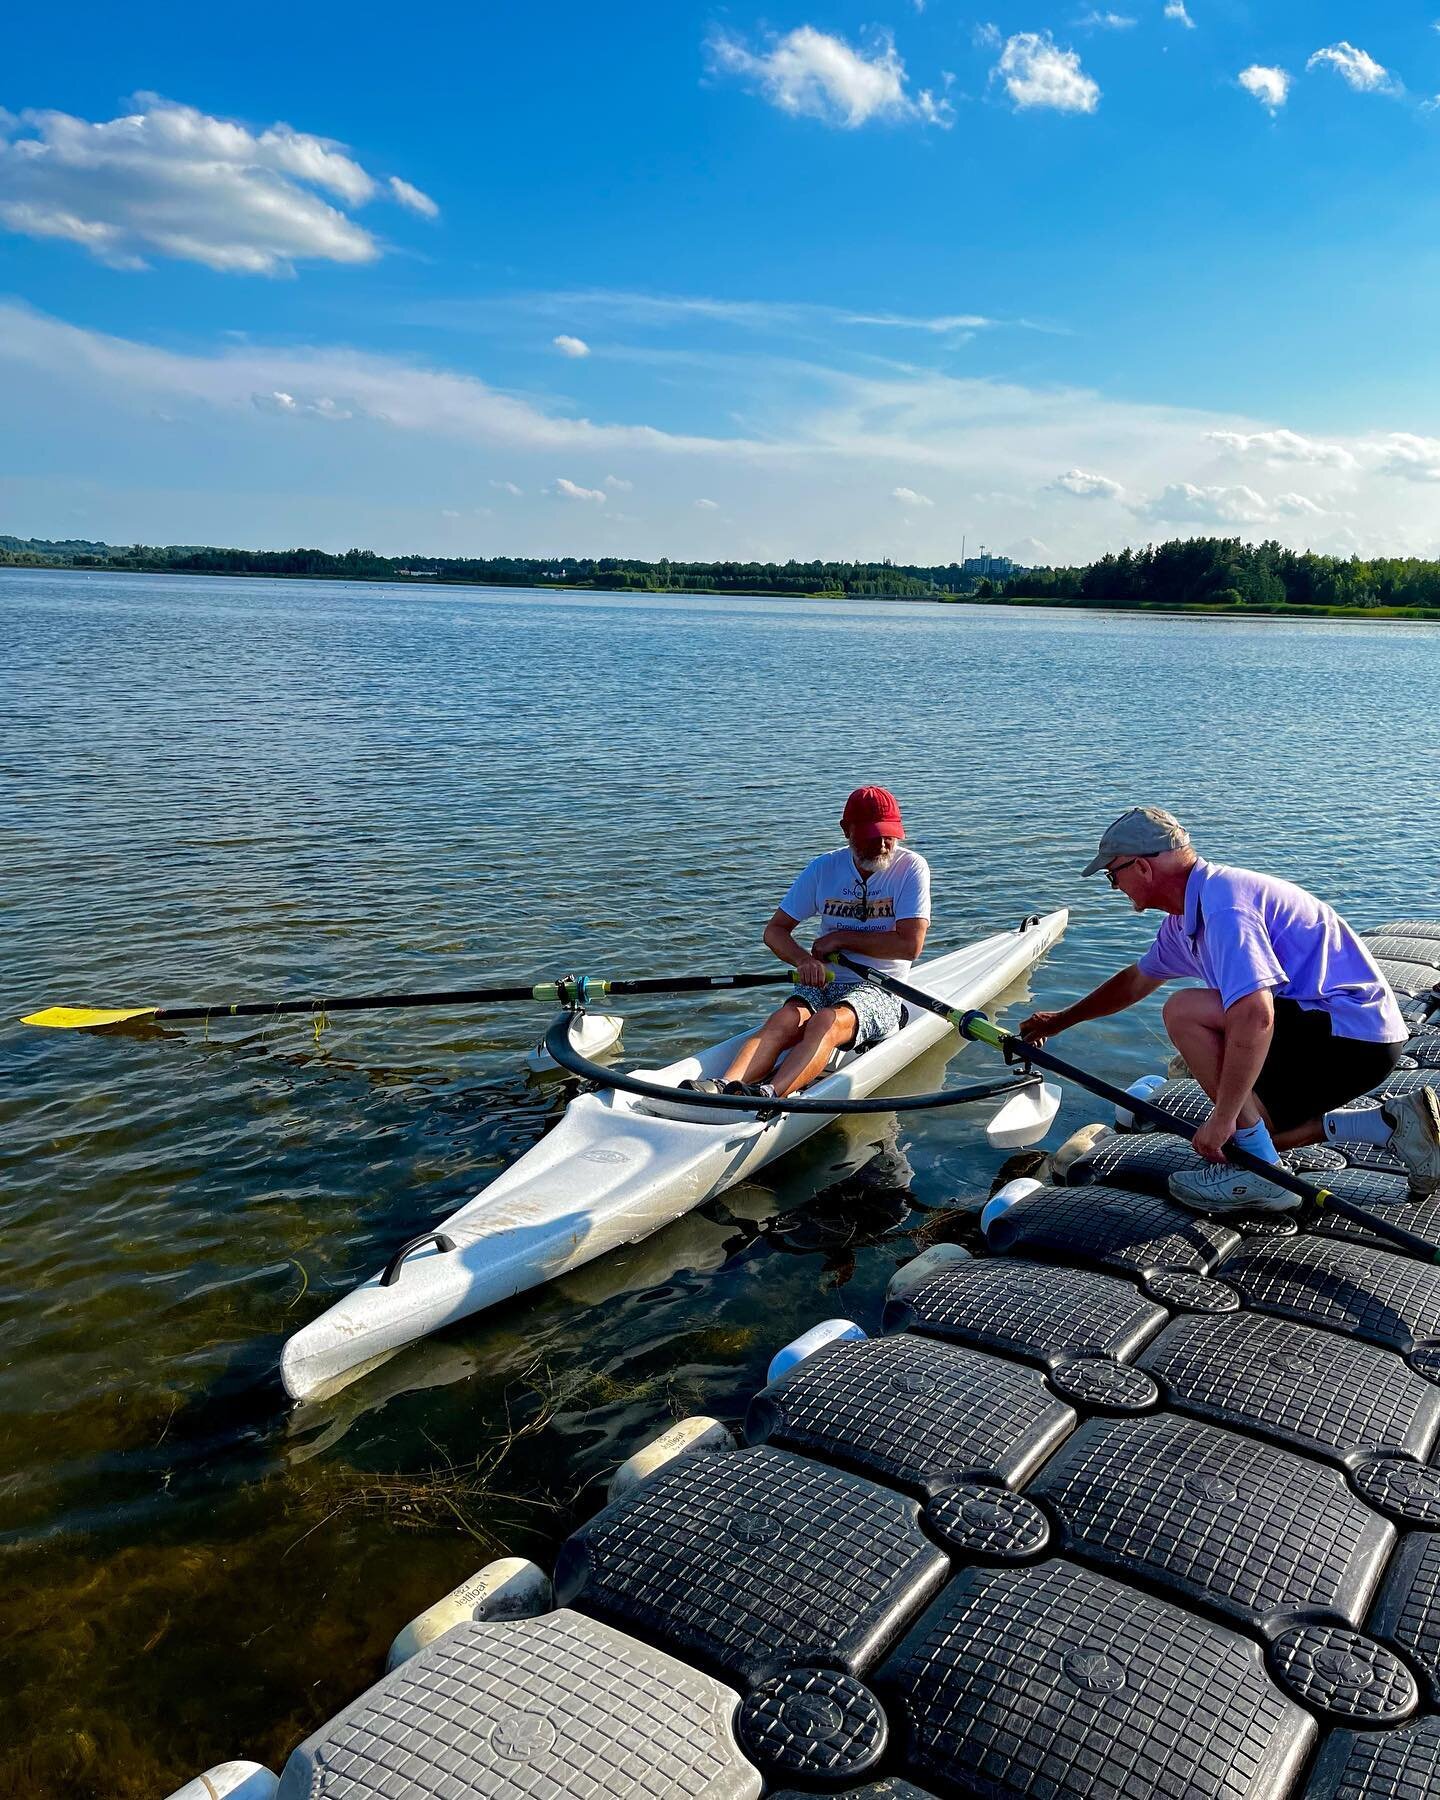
{"x":505,"y":571}
{"x":1228,"y":572}
{"x":1186,"y":572}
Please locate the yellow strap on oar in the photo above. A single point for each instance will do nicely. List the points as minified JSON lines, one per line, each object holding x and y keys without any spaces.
{"x":87,"y":1018}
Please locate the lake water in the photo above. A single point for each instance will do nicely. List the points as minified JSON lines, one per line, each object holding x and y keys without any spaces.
{"x":230,"y":789}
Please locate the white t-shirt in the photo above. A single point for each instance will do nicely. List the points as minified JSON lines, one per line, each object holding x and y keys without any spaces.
{"x":845,"y":900}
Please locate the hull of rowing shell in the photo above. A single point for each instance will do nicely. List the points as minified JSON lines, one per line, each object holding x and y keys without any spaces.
{"x":611,"y":1172}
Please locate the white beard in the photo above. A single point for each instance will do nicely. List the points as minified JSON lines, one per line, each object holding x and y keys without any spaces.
{"x":872,"y":865}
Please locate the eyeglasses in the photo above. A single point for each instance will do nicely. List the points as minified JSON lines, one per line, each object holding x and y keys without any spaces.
{"x":1110,"y":874}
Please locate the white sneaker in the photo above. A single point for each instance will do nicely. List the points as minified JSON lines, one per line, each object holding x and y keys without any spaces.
{"x":1414,"y":1121}
{"x":1222,"y":1188}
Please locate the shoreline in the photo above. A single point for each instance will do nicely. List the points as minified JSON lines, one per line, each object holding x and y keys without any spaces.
{"x":1279,"y":610}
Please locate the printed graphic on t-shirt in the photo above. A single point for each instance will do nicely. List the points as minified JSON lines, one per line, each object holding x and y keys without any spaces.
{"x":832,"y":889}
{"x":862,"y":908}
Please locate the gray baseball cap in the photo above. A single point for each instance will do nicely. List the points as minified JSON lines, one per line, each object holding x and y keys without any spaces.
{"x":1143,"y":831}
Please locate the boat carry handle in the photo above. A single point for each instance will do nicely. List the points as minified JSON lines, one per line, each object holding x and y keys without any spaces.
{"x":391,"y":1273}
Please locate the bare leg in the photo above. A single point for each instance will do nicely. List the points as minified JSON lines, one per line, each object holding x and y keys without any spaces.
{"x":758,"y":1055}
{"x":1192,"y":1017}
{"x":830,"y":1029}
{"x":1195,"y":1020}
{"x":1311,"y":1132}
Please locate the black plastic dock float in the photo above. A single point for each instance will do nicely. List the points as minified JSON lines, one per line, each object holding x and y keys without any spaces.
{"x":1136,"y":1506}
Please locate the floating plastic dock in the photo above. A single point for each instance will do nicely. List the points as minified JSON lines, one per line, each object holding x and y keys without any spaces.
{"x":1137,"y":1505}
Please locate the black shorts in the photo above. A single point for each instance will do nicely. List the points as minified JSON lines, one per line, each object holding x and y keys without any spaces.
{"x":1309,"y":1070}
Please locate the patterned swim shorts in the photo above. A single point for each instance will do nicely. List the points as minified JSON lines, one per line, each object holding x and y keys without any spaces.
{"x":877,"y":1012}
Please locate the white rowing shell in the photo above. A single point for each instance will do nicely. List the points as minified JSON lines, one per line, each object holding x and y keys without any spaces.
{"x":613,"y":1171}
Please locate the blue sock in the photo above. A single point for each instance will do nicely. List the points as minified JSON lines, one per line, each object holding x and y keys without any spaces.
{"x":1257,"y":1140}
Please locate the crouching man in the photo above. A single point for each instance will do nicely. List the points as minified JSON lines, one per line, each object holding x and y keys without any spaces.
{"x":1293,"y":1019}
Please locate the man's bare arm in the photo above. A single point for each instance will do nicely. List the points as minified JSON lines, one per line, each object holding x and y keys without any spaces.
{"x":903,"y":940}
{"x":780,"y":941}
{"x":1112,"y":996}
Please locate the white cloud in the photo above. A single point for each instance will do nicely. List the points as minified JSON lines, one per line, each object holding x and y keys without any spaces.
{"x":1185,"y":502}
{"x":618,"y":484}
{"x":1270,"y":86}
{"x":663,"y":310}
{"x":708,"y":505}
{"x":570,"y":346}
{"x":1105,"y":21}
{"x":1356,"y":67}
{"x":570,"y":490}
{"x":1402,"y":453}
{"x":1037,"y":72}
{"x":413,"y":198}
{"x":1175,"y":9}
{"x":389,"y":393}
{"x":319,"y":406}
{"x":942,"y":324}
{"x":812,"y":471}
{"x":1086,"y":486}
{"x":814,"y":75}
{"x":908,"y":497}
{"x":1283,"y":447}
{"x":172,"y":181}
{"x":987,"y":36}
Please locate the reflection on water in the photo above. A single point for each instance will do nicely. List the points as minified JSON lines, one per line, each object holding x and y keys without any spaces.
{"x":275,"y":788}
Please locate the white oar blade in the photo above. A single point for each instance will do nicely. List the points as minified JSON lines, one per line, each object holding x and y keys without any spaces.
{"x":1025,"y":1117}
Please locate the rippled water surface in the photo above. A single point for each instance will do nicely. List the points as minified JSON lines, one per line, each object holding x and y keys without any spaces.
{"x":242,"y":789}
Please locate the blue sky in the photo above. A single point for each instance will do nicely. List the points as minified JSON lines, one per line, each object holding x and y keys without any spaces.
{"x":720,"y":281}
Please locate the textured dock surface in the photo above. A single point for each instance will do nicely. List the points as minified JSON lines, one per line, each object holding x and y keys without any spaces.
{"x":1146,"y":1505}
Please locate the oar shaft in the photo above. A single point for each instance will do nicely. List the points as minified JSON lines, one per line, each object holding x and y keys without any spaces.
{"x":903,"y":991}
{"x":256,"y":1009}
{"x":691,"y":984}
{"x":553,"y":992}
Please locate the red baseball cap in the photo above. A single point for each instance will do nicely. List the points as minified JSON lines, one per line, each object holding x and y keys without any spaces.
{"x":872,"y":812}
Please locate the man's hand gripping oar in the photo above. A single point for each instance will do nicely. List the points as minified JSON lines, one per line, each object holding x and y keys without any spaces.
{"x":980,"y":1029}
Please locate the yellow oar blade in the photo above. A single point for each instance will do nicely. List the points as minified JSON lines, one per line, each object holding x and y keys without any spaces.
{"x":83,"y":1018}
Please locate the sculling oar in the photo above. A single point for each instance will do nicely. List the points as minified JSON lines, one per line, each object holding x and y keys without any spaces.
{"x":980,"y":1029}
{"x":570,"y":990}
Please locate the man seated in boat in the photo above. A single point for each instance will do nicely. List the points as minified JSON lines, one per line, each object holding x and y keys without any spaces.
{"x":1294,"y":1018}
{"x":873,"y":902}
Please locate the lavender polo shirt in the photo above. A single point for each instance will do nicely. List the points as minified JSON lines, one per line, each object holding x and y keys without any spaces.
{"x":1241,"y":932}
